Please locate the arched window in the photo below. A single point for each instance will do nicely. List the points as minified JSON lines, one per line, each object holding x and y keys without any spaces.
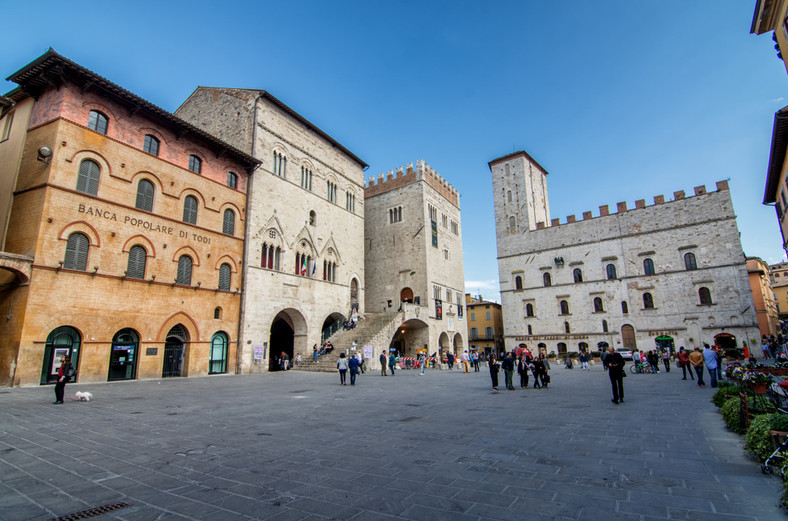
{"x":689,"y":261}
{"x":512,"y":224}
{"x":548,"y":281}
{"x":76,"y":252}
{"x":518,"y":282}
{"x":564,"y":307}
{"x":648,"y":301}
{"x":530,"y":330}
{"x":217,"y":313}
{"x":151,"y":145}
{"x":529,"y":310}
{"x":604,"y":326}
{"x":611,"y":271}
{"x":232,"y":179}
{"x":184,"y":276}
{"x":224,"y":277}
{"x":566,"y":327}
{"x":509,"y":196}
{"x":190,"y":210}
{"x":705,"y":296}
{"x":624,"y":307}
{"x":313,"y":218}
{"x":138,"y":257}
{"x":98,"y":122}
{"x":218,"y":362}
{"x":598,"y":308}
{"x":270,"y":256}
{"x":195,"y":164}
{"x":228,"y":225}
{"x":88,"y":178}
{"x":648,"y":267}
{"x":578,"y":275}
{"x":145,"y":193}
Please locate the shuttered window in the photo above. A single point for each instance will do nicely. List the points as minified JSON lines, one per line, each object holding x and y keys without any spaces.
{"x":228,"y":227}
{"x":190,"y":210}
{"x":145,"y":195}
{"x":88,"y":179}
{"x":224,"y":277}
{"x":151,"y":145}
{"x":232,"y":180}
{"x":184,"y":271}
{"x":76,"y":252}
{"x":137,"y":259}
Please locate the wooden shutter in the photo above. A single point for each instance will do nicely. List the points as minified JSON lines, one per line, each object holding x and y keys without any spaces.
{"x":224,"y":277}
{"x":190,"y":210}
{"x":137,"y":260}
{"x":76,"y":252}
{"x":145,"y":195}
{"x":228,"y":227}
{"x":184,"y":271}
{"x":88,"y":179}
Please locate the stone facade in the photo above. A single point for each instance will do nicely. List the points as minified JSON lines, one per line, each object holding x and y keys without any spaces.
{"x":671,"y":271}
{"x":119,"y":317}
{"x":413,"y":257}
{"x":305,"y":216}
{"x":778,"y":278}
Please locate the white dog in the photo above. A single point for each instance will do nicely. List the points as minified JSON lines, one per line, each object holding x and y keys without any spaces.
{"x":83,"y":396}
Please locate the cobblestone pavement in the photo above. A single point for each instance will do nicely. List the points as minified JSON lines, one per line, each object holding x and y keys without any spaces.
{"x":298,"y":446}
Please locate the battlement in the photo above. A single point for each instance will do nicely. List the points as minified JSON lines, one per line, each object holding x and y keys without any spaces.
{"x":389,"y":181}
{"x":621,"y":208}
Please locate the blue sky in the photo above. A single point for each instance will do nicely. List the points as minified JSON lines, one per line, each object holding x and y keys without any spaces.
{"x":617,"y":100}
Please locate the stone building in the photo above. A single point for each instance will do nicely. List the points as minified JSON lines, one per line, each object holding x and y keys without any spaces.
{"x":123,"y":233}
{"x":413,"y":258}
{"x":671,"y":273}
{"x":778,"y":279}
{"x":763,"y":296}
{"x":485,"y":325}
{"x":304,"y":269}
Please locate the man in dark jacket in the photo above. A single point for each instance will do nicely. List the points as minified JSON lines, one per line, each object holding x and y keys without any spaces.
{"x":383,"y":363}
{"x":508,"y":370}
{"x":615,"y":365}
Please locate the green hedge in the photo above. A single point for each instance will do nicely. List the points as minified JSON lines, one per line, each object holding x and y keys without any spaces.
{"x":731,"y":413}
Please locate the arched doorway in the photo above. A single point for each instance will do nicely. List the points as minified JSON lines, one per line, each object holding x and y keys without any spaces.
{"x":406,"y":295}
{"x":62,"y":341}
{"x":628,"y":337}
{"x":331,"y":325}
{"x":123,"y":357}
{"x":411,"y":336}
{"x":218,"y":362}
{"x":174,"y":352}
{"x":602,"y":346}
{"x":582,"y":347}
{"x":288,"y":336}
{"x":542,"y":348}
{"x":444,"y":345}
{"x":561,"y":349}
{"x":665,"y":342}
{"x":353,"y":297}
{"x":459,"y":345}
{"x":725,"y":340}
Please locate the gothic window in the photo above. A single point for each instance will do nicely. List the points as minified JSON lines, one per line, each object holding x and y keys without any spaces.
{"x":705,"y":296}
{"x":350,"y":202}
{"x":270,"y":256}
{"x":689,"y":261}
{"x":145,"y":192}
{"x":280,"y":164}
{"x":611,"y":271}
{"x":395,"y":215}
{"x":648,"y":301}
{"x":151,"y":145}
{"x":306,"y":178}
{"x":598,"y":308}
{"x":88,"y":178}
{"x":98,"y":122}
{"x":76,"y":252}
{"x":331,"y":192}
{"x":648,"y":267}
{"x":136,"y":265}
{"x":578,"y":275}
{"x":548,"y":281}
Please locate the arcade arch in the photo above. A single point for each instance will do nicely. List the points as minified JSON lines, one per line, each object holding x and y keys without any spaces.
{"x":287,"y":335}
{"x":411,"y":336}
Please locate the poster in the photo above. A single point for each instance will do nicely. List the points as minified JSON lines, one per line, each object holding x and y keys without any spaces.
{"x":259,"y":352}
{"x":368,"y":352}
{"x":56,"y":359}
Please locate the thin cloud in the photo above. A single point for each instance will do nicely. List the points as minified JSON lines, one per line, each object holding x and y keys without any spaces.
{"x":778,"y":100}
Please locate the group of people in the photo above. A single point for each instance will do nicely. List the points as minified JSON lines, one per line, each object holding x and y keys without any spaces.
{"x":348,"y":324}
{"x":709,"y":358}
{"x":466,"y":361}
{"x":775,"y":347}
{"x":354,"y":364}
{"x":650,"y":360}
{"x":539,"y":367}
{"x":325,"y":348}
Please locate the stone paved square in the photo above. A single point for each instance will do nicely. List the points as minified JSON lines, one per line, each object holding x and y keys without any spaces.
{"x":298,"y":446}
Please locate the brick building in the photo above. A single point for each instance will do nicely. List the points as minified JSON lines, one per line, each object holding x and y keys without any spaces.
{"x":763,"y":296}
{"x":671,"y":273}
{"x":123,"y":233}
{"x":485,"y":325}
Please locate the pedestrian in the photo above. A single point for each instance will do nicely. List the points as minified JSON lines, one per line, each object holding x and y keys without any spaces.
{"x":603,"y":357}
{"x":475,"y":360}
{"x":545,"y":371}
{"x":508,"y":371}
{"x":466,"y":362}
{"x":64,"y":374}
{"x":765,"y":348}
{"x":342,"y":365}
{"x":450,"y":360}
{"x":354,"y":364}
{"x":522,"y":370}
{"x":696,"y":359}
{"x":493,"y":372}
{"x":283,"y":358}
{"x":360,"y":362}
{"x":710,"y":358}
{"x":392,"y":362}
{"x":636,"y":359}
{"x":584,"y":361}
{"x":653,"y":362}
{"x":615,"y":365}
{"x":422,"y":363}
{"x":684,"y":362}
{"x":298,"y":359}
{"x":382,"y":359}
{"x":537,"y":368}
{"x":666,"y":359}
{"x":315,"y":353}
{"x":718,"y":351}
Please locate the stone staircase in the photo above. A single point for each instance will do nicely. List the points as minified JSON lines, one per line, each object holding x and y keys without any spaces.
{"x":374,"y":329}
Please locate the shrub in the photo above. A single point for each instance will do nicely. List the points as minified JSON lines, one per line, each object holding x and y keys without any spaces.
{"x":779,"y":422}
{"x":759,"y":438}
{"x":731,"y":413}
{"x":725,"y":391}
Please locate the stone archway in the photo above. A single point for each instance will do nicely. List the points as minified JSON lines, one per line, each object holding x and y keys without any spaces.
{"x":288,"y":335}
{"x":406,"y":295}
{"x":444,"y":344}
{"x":410,"y":336}
{"x":458,"y":344}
